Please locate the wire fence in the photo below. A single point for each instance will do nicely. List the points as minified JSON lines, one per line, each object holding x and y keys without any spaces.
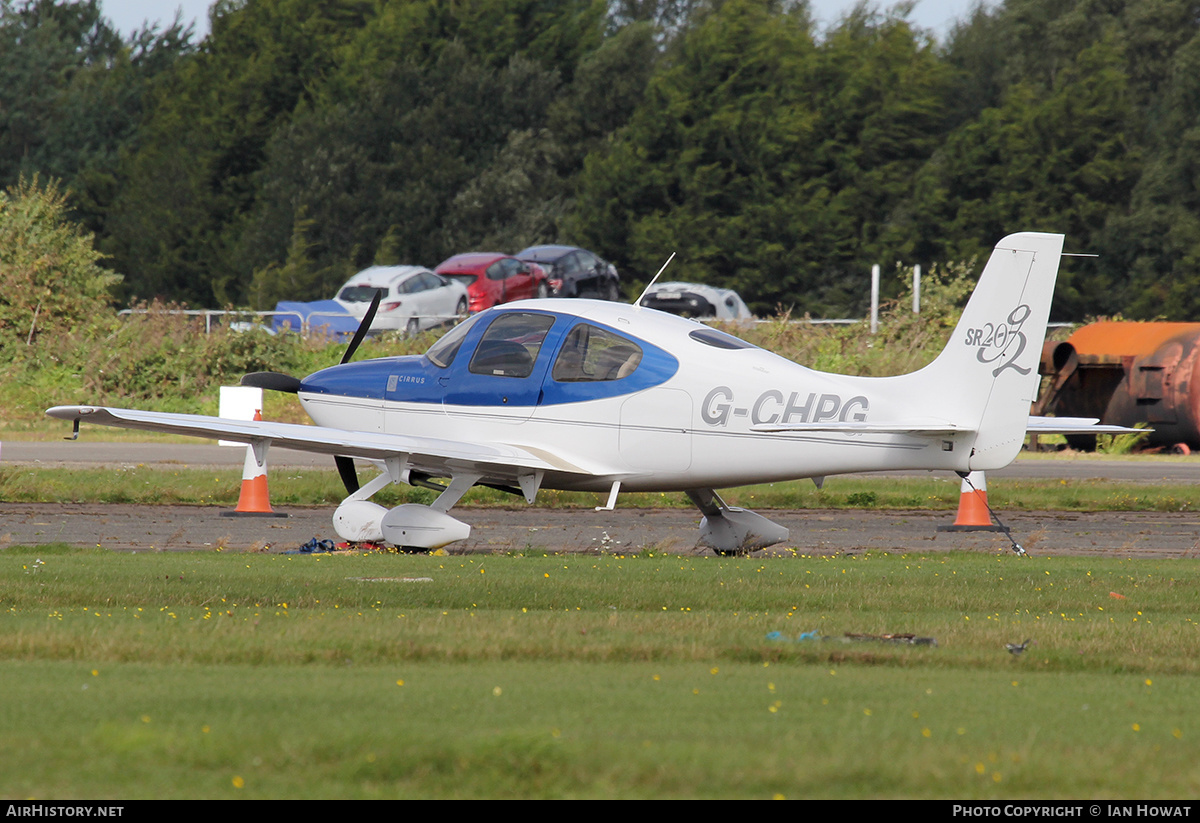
{"x":311,"y":324}
{"x":317,"y":322}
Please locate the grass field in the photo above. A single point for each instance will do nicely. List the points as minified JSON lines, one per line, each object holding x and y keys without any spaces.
{"x":143,"y":484}
{"x":254,"y":675}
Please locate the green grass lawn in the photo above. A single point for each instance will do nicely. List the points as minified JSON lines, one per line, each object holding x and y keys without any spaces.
{"x":255,"y":675}
{"x":141,"y":484}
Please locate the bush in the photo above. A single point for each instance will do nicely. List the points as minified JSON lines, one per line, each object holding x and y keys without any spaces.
{"x":905,"y":341}
{"x":50,"y":277}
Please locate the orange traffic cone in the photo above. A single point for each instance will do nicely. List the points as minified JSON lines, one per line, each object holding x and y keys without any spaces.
{"x":973,"y":513}
{"x":254,"y":499}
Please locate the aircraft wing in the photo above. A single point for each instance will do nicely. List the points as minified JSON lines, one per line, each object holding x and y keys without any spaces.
{"x":429,"y":452}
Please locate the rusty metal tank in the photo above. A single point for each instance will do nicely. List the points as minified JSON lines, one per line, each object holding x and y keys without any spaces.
{"x":1127,"y":373}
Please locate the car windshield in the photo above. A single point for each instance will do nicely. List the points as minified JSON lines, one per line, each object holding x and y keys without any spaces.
{"x":542,"y":256}
{"x":361,"y":294}
{"x":466,"y":279}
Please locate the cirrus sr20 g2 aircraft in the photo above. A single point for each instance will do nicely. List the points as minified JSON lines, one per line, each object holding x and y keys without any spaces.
{"x":597,"y":396}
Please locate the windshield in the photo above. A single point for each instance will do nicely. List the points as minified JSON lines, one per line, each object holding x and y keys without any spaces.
{"x":510,"y":346}
{"x":443,"y":352}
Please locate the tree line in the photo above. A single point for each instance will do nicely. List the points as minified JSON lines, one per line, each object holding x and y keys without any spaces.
{"x":302,"y":140}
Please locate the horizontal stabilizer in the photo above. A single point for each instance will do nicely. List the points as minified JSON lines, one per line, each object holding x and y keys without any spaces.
{"x":1076,"y":425}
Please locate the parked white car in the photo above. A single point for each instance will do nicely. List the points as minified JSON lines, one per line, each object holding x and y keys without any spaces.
{"x":414,"y":298}
{"x":696,"y":300}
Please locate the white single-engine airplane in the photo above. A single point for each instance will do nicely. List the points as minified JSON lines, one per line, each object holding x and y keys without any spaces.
{"x":597,"y":396}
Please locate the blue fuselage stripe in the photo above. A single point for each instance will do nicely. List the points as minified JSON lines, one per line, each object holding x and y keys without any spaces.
{"x":416,"y":379}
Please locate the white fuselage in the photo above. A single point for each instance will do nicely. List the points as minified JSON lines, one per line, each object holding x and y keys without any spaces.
{"x":691,"y":431}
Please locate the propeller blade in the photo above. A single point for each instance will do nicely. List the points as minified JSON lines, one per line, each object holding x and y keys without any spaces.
{"x":345,"y":467}
{"x":363,"y":328}
{"x":272,"y":380}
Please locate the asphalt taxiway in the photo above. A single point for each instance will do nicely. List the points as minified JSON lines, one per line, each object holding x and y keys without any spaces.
{"x":183,"y":528}
{"x":502,"y":530}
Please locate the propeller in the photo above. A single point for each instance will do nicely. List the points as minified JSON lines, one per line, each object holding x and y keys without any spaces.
{"x":273,"y":380}
{"x":277,"y":381}
{"x":363,"y":327}
{"x":346,"y":470}
{"x":345,"y":465}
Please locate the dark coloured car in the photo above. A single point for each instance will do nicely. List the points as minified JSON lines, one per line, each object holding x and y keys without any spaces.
{"x":492,"y":278}
{"x":575,"y":272}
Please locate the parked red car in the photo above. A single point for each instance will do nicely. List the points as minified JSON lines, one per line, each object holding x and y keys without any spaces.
{"x":493,"y":278}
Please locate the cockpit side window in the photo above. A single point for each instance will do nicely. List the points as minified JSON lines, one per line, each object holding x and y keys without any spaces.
{"x":591,"y":353}
{"x":510,"y":346}
{"x":443,"y":352}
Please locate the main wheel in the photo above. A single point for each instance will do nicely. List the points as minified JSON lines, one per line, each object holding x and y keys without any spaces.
{"x":414,"y":327}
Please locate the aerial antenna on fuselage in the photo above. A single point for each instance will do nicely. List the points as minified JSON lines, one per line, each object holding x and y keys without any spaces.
{"x":637,"y":304}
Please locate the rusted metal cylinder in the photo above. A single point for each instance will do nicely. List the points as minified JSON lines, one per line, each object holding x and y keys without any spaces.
{"x":1127,"y":373}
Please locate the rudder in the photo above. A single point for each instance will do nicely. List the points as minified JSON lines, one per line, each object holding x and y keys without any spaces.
{"x":988,"y":371}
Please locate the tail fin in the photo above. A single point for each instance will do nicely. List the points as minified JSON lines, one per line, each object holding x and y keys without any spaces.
{"x":988,"y":372}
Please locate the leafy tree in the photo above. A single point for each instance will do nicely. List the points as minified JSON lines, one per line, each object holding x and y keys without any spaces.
{"x":608,"y":86}
{"x":1155,"y":246}
{"x":882,"y":91}
{"x":1083,"y":125}
{"x":1048,"y":159}
{"x":367,"y":119}
{"x":767,"y":160}
{"x":193,"y":178}
{"x":72,"y":93}
{"x":43,"y":44}
{"x":514,"y":202}
{"x":555,"y":34}
{"x":432,"y":159}
{"x":722,"y":133}
{"x":50,"y":277}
